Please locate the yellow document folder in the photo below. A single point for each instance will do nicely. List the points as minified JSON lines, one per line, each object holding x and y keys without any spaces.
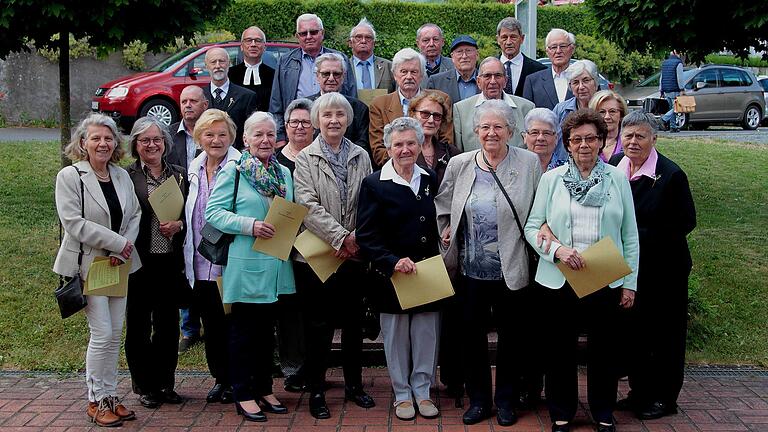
{"x":604,"y":265}
{"x":429,"y":284}
{"x":220,"y":285}
{"x":319,"y":254}
{"x":287,"y":218}
{"x":105,"y":280}
{"x":167,"y":201}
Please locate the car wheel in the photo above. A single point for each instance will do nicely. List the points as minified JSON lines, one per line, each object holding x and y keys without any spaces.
{"x":161,"y":109}
{"x":752,"y":117}
{"x":681,"y":120}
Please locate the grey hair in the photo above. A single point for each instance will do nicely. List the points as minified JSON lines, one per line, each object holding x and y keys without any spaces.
{"x":641,"y":118}
{"x":581,"y":66}
{"x":403,"y":124}
{"x":300,"y":104}
{"x":497,"y":107}
{"x":256,"y":118}
{"x":559,"y":32}
{"x":408,"y":54}
{"x":263,"y":35}
{"x":510,"y":23}
{"x":333,"y":57}
{"x":428,"y":25}
{"x":327,"y":101}
{"x":142,"y":125}
{"x":543,"y":115}
{"x":363,"y":23}
{"x":488,"y":60}
{"x":309,"y":17}
{"x":75,"y":150}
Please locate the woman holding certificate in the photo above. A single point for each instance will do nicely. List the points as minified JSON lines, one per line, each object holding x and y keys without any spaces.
{"x":396,"y":228}
{"x":252,"y":280}
{"x":482,"y":194}
{"x":156,"y":290}
{"x":99,"y":214}
{"x":328,"y":176}
{"x":582,"y":202}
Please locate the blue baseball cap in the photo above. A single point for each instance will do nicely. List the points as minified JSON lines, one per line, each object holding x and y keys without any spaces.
{"x":463,"y":40}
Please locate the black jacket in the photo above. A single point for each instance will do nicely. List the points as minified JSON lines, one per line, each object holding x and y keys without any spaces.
{"x":263,"y":91}
{"x":239,"y":103}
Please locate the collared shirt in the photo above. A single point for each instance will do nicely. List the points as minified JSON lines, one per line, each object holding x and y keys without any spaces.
{"x":190,"y":141}
{"x":204,"y":269}
{"x":358,"y":63}
{"x":561,"y":84}
{"x":251,"y":76}
{"x":648,"y":168}
{"x":507,"y":99}
{"x":516,"y":67}
{"x":158,"y":243}
{"x":433,"y":68}
{"x":388,"y":173}
{"x":308,"y":84}
{"x":224,"y":88}
{"x":469,"y":88}
{"x":405,"y":101}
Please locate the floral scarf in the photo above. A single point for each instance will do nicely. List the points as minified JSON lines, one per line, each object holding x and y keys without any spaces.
{"x":267,"y":180}
{"x":590,"y":192}
{"x":338,"y":163}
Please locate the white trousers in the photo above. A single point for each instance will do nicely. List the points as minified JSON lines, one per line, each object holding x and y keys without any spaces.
{"x":105,"y":322}
{"x":410,"y":346}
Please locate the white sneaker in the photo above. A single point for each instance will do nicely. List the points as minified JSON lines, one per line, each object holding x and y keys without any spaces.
{"x":427,"y":409}
{"x":405,"y":411}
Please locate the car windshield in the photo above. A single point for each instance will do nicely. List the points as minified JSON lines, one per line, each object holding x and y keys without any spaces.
{"x":687,"y":75}
{"x":171,"y":61}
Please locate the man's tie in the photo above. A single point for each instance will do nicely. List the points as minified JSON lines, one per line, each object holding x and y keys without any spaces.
{"x":366,"y":75}
{"x":252,"y":72}
{"x":218,"y":100}
{"x":510,"y":87}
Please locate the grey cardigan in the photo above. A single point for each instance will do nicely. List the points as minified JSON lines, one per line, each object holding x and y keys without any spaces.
{"x":519,"y":172}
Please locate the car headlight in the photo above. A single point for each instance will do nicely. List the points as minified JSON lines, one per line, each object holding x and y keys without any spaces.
{"x":117,"y":92}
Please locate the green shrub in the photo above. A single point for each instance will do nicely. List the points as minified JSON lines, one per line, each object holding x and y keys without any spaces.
{"x":133,"y":55}
{"x":78,"y":48}
{"x":752,"y":61}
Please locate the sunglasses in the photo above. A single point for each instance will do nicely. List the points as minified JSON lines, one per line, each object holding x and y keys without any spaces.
{"x":308,"y":32}
{"x":427,"y":114}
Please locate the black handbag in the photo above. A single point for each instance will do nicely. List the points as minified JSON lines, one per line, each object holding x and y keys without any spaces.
{"x":533,"y":256}
{"x":214,"y":244}
{"x":69,"y":293}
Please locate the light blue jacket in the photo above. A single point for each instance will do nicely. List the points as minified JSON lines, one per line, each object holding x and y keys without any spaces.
{"x":617,"y":220}
{"x":249,"y":276}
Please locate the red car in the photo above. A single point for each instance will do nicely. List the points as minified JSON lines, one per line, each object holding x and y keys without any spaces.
{"x":156,"y":92}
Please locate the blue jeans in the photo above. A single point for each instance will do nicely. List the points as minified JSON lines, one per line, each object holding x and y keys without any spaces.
{"x":669,"y":117}
{"x":190,"y":322}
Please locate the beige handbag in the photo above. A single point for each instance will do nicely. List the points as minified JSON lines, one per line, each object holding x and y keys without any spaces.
{"x":685,"y":104}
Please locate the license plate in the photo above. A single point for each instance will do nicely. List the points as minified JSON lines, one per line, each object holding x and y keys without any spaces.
{"x":94,"y":105}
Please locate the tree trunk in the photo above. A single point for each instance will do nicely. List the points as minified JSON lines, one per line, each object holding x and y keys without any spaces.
{"x":64,"y":102}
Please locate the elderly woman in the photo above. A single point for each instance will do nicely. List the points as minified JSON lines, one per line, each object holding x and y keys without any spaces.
{"x":328,"y":177}
{"x":540,"y":134}
{"x":395,"y":229}
{"x":665,"y":215}
{"x":298,"y":128}
{"x":100,"y":215}
{"x":483,"y":242}
{"x":433,"y":111}
{"x":156,"y":290}
{"x":215,"y":133}
{"x":583,"y":80}
{"x":252,"y":280}
{"x":612,"y":107}
{"x":581,"y":203}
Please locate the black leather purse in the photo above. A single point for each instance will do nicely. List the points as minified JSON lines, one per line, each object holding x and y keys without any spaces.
{"x":69,"y":293}
{"x":214,"y":244}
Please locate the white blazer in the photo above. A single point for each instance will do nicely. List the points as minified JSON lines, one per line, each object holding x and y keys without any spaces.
{"x":94,"y":231}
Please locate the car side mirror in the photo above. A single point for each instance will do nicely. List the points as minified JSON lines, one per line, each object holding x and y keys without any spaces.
{"x":700,"y":85}
{"x":195,"y":71}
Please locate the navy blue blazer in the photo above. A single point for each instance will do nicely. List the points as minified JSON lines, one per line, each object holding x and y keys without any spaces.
{"x":540,"y":89}
{"x":239,"y":103}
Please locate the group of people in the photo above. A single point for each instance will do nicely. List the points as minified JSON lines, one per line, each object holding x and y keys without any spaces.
{"x":483,"y":164}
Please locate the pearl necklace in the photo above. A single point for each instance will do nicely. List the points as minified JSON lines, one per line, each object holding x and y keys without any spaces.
{"x":101,"y":177}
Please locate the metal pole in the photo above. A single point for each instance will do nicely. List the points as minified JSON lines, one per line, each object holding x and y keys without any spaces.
{"x":525,"y":12}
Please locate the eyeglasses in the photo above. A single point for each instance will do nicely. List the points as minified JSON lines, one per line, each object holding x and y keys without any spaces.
{"x":336,"y":74}
{"x":304,"y":34}
{"x":486,"y":128}
{"x":536,"y":133}
{"x":612,"y":112}
{"x":589,"y":139}
{"x":294,"y":123}
{"x":361,"y":38}
{"x":562,"y":47}
{"x":585,"y":82}
{"x":153,"y":140}
{"x":464,"y":52}
{"x":428,"y":40}
{"x":489,"y":76}
{"x":249,"y":41}
{"x":427,"y":114}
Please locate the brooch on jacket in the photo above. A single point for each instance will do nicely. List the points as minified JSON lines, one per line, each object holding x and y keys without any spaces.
{"x":443,"y":160}
{"x":656,"y":177}
{"x":231,"y":102}
{"x":426,"y":190}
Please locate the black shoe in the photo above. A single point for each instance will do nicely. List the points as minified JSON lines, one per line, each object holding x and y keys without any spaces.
{"x":626,"y":404}
{"x":150,"y":400}
{"x":274,"y":409}
{"x":214,"y":395}
{"x":171,"y":397}
{"x":318,"y":408}
{"x":226,"y":396}
{"x":561,"y":428}
{"x":186,"y":343}
{"x":606,"y":428}
{"x":254,"y":417}
{"x":295,"y":384}
{"x":359,"y":397}
{"x":506,"y":417}
{"x":475,"y":414}
{"x":657,"y":410}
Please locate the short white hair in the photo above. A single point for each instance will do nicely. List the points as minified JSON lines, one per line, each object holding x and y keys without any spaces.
{"x":426,"y":26}
{"x":329,"y":101}
{"x":363,"y":23}
{"x":402,"y":124}
{"x":256,"y":118}
{"x":409,"y":54}
{"x":543,"y":115}
{"x":309,"y":17}
{"x":332,"y":57}
{"x":581,"y":66}
{"x":559,"y":32}
{"x":263,"y":35}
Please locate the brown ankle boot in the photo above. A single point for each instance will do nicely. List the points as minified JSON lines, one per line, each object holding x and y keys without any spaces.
{"x":104,"y":415}
{"x":120,"y":410}
{"x":91,"y":410}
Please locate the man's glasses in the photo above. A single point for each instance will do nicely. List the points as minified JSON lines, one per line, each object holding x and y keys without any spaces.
{"x":326,"y":75}
{"x":304,"y":34}
{"x":562,"y":47}
{"x":361,"y":38}
{"x":249,"y":41}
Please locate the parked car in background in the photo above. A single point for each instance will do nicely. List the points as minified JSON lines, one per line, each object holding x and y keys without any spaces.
{"x":156,"y":92}
{"x":605,"y":84}
{"x":763,"y":80}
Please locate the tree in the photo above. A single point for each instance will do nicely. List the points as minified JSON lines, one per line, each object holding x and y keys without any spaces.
{"x":696,"y":27}
{"x":109,"y":24}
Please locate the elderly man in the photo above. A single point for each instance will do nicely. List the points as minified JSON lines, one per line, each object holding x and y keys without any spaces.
{"x":184,"y":149}
{"x":460,"y":83}
{"x":295,"y":74}
{"x":252,"y":73}
{"x":547,"y":88}
{"x":492,"y":80}
{"x":517,"y":66}
{"x":430,"y":40}
{"x":331,"y":69}
{"x":408,"y":68}
{"x":371,"y":72}
{"x":238,"y":102}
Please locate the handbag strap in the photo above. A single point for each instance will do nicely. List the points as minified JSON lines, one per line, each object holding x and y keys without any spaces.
{"x":82,"y":214}
{"x":506,"y":195}
{"x":237,"y":184}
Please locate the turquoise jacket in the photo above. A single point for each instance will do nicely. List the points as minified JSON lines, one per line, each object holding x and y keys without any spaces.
{"x":249,"y":276}
{"x":617,"y":220}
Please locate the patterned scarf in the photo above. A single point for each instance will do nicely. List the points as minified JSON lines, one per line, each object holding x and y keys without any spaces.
{"x":268,"y":181}
{"x":338,"y":162}
{"x":590,"y":192}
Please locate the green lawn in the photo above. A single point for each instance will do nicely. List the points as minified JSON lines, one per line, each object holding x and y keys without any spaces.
{"x":729,"y":286}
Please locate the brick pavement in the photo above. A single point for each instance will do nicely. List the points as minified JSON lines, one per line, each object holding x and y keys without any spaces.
{"x":46,"y":402}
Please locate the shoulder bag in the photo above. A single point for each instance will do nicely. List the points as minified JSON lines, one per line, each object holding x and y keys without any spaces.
{"x":69,"y":293}
{"x":214,"y":244}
